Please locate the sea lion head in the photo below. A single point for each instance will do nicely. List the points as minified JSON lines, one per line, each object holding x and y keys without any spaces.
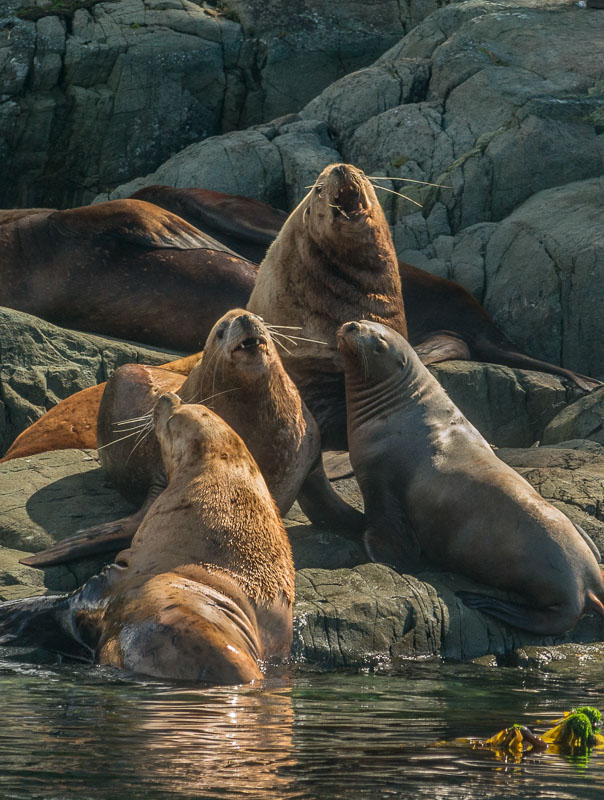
{"x":341,"y":211}
{"x":373,"y":352}
{"x":238,"y":344}
{"x":191,"y":433}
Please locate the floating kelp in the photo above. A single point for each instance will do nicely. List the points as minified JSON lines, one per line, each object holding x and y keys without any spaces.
{"x":576,"y":733}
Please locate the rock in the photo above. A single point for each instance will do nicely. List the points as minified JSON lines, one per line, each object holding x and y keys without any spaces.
{"x":42,"y":364}
{"x":582,"y":419}
{"x":272,"y":163}
{"x":347,"y":612}
{"x":371,"y":615}
{"x":96,"y":93}
{"x":509,"y":407}
{"x":563,"y":659}
{"x":571,"y":479}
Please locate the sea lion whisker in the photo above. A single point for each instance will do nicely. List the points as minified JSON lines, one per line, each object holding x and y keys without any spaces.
{"x":283,"y":346}
{"x":141,"y":438}
{"x":132,"y":428}
{"x":286,"y":327}
{"x":408,"y":180}
{"x":133,"y":420}
{"x":400,"y":194}
{"x":341,"y":210}
{"x":210,"y":396}
{"x":115,"y":441}
{"x":285,"y":336}
{"x":305,"y":339}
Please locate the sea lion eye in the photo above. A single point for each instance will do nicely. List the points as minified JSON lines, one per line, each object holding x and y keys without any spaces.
{"x":220,"y":331}
{"x":318,"y":188}
{"x":381,"y":345}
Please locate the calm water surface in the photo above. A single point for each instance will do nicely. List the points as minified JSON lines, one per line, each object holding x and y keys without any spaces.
{"x":80,"y":732}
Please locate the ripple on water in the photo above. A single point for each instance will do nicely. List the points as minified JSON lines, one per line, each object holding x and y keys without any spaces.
{"x":94,"y":734}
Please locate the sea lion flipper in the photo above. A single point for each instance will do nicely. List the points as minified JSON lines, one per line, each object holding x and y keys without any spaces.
{"x":547,"y":621}
{"x":323,"y":506}
{"x":40,"y":622}
{"x":106,"y":538}
{"x":442,"y":346}
{"x":589,"y":541}
{"x":337,"y":465}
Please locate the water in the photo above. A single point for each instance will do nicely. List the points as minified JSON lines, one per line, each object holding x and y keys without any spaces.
{"x":94,"y":734}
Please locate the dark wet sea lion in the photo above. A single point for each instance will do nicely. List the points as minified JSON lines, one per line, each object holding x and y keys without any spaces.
{"x":124,"y":268}
{"x":242,"y":378}
{"x":333,"y":260}
{"x":245,"y":225}
{"x":433,"y":486}
{"x":206,"y":590}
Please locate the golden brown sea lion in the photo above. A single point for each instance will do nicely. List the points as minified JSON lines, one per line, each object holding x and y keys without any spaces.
{"x":333,"y":260}
{"x":205,"y":592}
{"x":124,"y":268}
{"x":433,"y":486}
{"x":242,"y":378}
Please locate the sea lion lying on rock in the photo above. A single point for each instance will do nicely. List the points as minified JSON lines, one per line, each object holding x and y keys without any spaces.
{"x":205,"y":592}
{"x":124,"y":268}
{"x":245,"y":225}
{"x":433,"y":486}
{"x":242,"y":378}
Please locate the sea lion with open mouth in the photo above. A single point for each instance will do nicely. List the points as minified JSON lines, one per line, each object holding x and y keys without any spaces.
{"x":433,"y":486}
{"x":333,"y":261}
{"x":205,"y":592}
{"x":242,"y":378}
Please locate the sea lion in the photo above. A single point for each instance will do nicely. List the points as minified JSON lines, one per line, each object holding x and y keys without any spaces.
{"x":205,"y":592}
{"x":241,"y":223}
{"x":124,"y":268}
{"x":333,"y":260}
{"x":242,"y":378}
{"x":433,"y":486}
{"x":72,"y":423}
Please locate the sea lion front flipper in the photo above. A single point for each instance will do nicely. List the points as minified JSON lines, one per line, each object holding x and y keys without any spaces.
{"x":324,"y":506}
{"x":589,"y":541}
{"x":337,"y":465}
{"x":106,"y":538}
{"x":442,"y":346}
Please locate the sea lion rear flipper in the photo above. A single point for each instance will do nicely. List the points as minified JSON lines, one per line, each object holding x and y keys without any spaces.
{"x":442,"y":346}
{"x":40,"y":622}
{"x":545,"y":621}
{"x":324,"y":506}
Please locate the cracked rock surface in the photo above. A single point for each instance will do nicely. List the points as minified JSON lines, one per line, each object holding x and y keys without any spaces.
{"x":95,"y":93}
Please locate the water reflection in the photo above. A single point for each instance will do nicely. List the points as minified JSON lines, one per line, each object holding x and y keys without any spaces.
{"x":92,"y":734}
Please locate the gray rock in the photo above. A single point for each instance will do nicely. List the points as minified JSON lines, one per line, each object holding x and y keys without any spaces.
{"x":582,"y":419}
{"x":127,"y":83}
{"x":371,"y":615}
{"x":509,"y":407}
{"x":571,"y":479}
{"x":42,"y":364}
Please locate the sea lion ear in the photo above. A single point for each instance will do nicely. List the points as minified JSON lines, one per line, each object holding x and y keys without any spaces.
{"x":305,"y":214}
{"x":165,"y":407}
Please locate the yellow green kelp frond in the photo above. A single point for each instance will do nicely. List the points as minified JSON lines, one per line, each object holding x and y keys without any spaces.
{"x":575,"y":731}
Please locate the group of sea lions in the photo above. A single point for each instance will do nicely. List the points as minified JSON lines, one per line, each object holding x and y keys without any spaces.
{"x":205,"y":589}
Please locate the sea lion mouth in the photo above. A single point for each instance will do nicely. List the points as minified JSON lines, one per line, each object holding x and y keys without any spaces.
{"x":350,"y":202}
{"x":252,"y":343}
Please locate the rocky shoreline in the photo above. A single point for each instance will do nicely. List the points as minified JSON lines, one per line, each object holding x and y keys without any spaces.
{"x":472,"y":96}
